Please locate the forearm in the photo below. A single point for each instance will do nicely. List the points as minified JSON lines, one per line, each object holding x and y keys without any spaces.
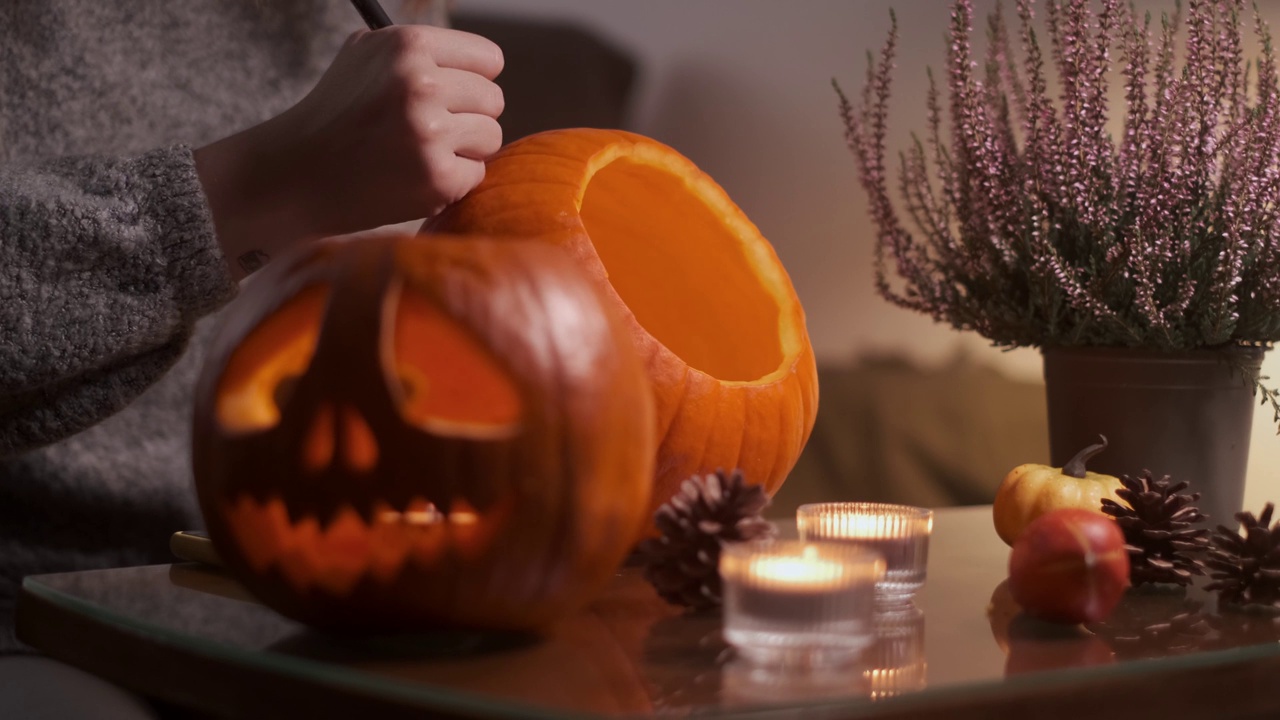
{"x":105,"y":264}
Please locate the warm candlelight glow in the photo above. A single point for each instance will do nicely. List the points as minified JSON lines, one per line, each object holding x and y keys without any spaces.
{"x":788,"y":601}
{"x":797,"y":573}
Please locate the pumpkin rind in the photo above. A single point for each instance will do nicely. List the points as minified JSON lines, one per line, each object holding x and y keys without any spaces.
{"x":507,"y":519}
{"x":536,"y":187}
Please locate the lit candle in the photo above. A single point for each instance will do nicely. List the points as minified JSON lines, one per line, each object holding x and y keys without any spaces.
{"x":898,"y":532}
{"x":787,"y":601}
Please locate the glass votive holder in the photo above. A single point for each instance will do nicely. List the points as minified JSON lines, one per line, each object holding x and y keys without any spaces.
{"x":799,"y":604}
{"x":900,"y":533}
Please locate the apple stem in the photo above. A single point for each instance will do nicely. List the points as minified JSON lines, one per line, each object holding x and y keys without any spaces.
{"x":1075,"y":466}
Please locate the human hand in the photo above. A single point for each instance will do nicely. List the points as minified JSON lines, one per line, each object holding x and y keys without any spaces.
{"x":396,"y":129}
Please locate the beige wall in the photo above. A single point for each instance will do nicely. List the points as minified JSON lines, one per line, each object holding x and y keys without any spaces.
{"x":743,"y":88}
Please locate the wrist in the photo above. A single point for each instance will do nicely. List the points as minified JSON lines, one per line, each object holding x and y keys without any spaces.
{"x":248,"y":199}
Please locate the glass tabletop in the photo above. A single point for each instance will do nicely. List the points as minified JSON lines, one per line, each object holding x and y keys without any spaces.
{"x":965,"y":643}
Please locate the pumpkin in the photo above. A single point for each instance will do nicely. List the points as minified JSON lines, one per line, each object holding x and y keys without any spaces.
{"x":1031,"y":490}
{"x":400,"y":433}
{"x":710,"y":307}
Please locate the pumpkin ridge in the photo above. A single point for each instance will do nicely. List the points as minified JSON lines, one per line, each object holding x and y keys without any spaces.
{"x":779,"y":467}
{"x":778,"y":455}
{"x":712,"y":425}
{"x":679,"y":401}
{"x":742,"y":437}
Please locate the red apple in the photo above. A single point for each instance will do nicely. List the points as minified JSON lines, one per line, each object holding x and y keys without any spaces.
{"x":1069,"y":566}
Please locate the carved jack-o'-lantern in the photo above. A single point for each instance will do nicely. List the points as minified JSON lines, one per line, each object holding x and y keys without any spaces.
{"x":408,"y":432}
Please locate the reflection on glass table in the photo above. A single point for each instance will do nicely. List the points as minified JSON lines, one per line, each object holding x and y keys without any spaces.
{"x":189,"y":634}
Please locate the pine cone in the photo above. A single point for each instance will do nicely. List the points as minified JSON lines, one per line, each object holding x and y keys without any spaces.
{"x":1158,"y":532}
{"x":1246,"y":569}
{"x":683,"y":562}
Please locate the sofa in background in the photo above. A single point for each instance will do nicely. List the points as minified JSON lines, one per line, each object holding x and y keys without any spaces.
{"x":890,"y":431}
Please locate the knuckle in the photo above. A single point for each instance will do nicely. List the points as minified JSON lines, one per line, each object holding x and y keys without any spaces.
{"x":422,"y":86}
{"x":412,"y":40}
{"x":426,"y":128}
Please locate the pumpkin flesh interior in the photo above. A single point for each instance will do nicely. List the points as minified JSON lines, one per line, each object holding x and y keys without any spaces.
{"x":688,"y":266}
{"x":277,"y":350}
{"x":449,"y":382}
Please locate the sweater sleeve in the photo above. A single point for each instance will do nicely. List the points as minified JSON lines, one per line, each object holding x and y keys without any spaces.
{"x":105,"y":265}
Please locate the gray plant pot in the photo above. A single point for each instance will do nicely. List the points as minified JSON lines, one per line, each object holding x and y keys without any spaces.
{"x":1185,"y":414}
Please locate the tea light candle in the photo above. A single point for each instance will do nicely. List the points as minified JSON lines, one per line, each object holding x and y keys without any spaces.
{"x":792,"y":602}
{"x":900,"y":533}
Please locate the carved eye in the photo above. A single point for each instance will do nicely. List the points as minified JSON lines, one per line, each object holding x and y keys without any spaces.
{"x":444,"y":380}
{"x":262,"y":372}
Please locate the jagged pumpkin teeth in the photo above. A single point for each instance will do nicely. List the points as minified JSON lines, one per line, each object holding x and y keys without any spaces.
{"x":341,"y":553}
{"x":390,"y":545}
{"x":297,"y":559}
{"x":257,"y":523}
{"x":429,"y":543}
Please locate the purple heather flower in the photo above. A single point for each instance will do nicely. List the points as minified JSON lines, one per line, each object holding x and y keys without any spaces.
{"x":1034,"y":227}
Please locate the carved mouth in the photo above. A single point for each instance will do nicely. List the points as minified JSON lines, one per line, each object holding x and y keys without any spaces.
{"x":337,"y":555}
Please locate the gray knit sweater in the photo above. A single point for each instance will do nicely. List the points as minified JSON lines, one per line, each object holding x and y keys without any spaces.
{"x":108,"y":259}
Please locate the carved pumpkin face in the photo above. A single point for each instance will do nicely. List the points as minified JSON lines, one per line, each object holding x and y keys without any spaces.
{"x":398,"y":433}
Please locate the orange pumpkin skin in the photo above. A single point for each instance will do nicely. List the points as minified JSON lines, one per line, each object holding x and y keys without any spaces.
{"x":401,"y":433}
{"x":758,"y":414}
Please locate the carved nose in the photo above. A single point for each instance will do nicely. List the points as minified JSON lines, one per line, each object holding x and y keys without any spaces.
{"x":349,"y":439}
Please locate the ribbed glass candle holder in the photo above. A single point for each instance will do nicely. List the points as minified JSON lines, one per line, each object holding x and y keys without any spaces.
{"x":899,"y":533}
{"x":799,"y":604}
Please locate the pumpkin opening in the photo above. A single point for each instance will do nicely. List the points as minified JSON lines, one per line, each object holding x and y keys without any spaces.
{"x":684,"y":261}
{"x":262,"y":370}
{"x":446,"y":380}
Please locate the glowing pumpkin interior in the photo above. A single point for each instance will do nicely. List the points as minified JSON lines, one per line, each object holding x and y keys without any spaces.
{"x":698,"y":276}
{"x":441,"y":379}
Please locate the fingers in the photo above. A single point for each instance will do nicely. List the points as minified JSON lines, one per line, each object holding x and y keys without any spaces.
{"x":466,"y":92}
{"x":453,"y":176}
{"x":475,"y":136}
{"x":451,"y":48}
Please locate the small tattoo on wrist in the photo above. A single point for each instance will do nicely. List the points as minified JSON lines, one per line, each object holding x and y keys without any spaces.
{"x":253,"y":260}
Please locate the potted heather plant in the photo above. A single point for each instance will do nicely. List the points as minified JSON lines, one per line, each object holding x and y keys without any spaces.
{"x":1144,"y":263}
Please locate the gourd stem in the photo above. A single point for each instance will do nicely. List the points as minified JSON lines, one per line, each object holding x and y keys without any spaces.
{"x":1075,"y":466}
